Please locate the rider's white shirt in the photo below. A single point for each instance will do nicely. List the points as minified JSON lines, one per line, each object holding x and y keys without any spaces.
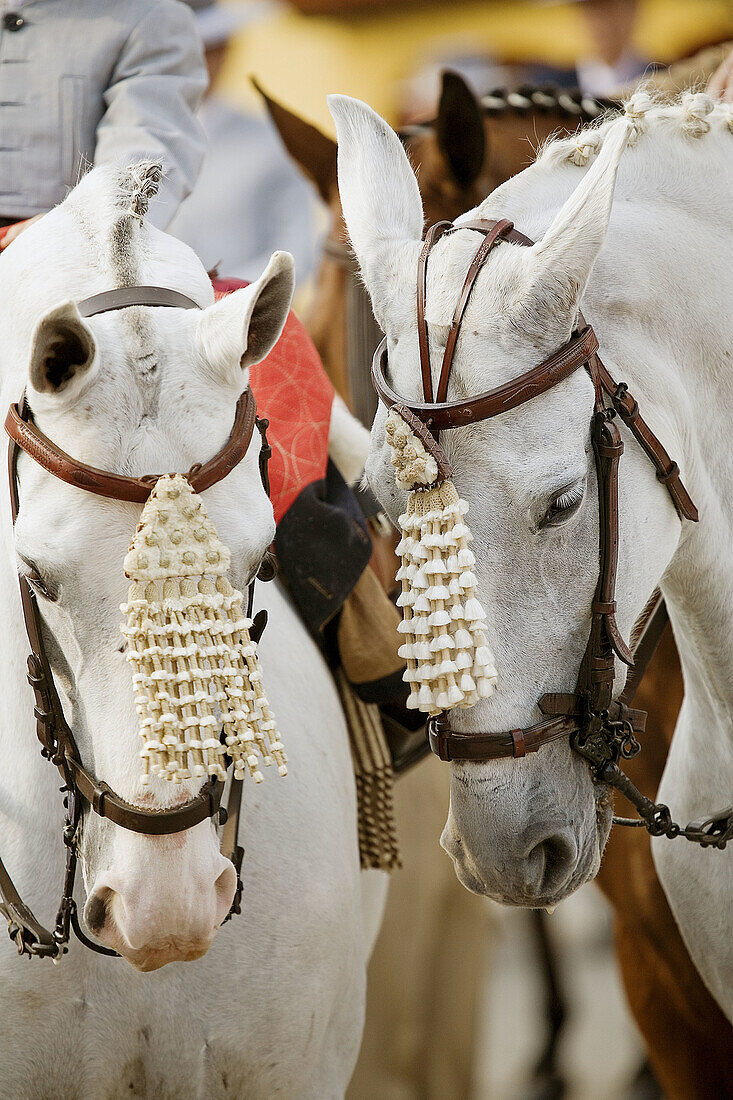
{"x":249,"y":200}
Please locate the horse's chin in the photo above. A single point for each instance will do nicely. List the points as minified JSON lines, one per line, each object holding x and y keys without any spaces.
{"x":486,"y":880}
{"x":582,"y":875}
{"x":158,"y":955}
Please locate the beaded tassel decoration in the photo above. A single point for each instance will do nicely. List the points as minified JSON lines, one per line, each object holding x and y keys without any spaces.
{"x":195,"y":667}
{"x":449,"y":663}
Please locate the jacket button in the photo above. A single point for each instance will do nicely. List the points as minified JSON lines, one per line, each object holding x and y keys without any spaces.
{"x":12,"y":21}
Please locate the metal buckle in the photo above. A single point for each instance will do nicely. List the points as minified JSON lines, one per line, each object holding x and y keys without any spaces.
{"x":438,"y":737}
{"x":715,"y":832}
{"x":619,"y":396}
{"x":622,"y":736}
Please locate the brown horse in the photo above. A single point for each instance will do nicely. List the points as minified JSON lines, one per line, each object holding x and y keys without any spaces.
{"x":471,"y":148}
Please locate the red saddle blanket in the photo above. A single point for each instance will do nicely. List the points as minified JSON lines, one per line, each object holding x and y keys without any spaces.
{"x":294,"y":392}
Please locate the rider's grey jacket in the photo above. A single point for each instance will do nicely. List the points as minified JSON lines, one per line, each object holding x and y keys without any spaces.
{"x":96,"y":82}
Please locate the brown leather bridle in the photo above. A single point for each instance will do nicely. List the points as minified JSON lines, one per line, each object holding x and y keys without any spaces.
{"x":602,"y":729}
{"x":58,"y":743}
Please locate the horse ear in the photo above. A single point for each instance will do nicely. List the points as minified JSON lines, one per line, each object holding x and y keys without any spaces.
{"x":566,"y":254}
{"x":63,"y":351}
{"x":379,"y":195}
{"x":242,"y":328}
{"x":310,"y":148}
{"x":460,"y":130}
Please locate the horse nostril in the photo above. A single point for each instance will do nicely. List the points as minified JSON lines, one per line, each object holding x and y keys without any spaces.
{"x":95,"y":912}
{"x":551,"y":862}
{"x":224,"y":889}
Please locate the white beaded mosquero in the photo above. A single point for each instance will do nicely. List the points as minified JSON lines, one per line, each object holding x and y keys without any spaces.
{"x":195,"y":666}
{"x":449,"y":663}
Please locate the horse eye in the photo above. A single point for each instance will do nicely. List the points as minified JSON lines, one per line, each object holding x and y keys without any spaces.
{"x":40,"y":586}
{"x":563,"y":507}
{"x":268,"y":568}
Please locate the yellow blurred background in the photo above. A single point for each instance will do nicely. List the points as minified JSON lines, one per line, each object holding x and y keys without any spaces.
{"x":301,"y":58}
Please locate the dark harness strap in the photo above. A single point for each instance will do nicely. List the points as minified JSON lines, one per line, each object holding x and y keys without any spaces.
{"x":492,"y":236}
{"x":668,"y":472}
{"x":434,"y":233}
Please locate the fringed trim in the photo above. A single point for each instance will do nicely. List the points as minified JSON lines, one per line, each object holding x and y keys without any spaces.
{"x":195,"y":668}
{"x":374,"y":776}
{"x":449,"y":663}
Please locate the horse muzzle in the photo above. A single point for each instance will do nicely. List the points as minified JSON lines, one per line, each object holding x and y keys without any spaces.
{"x":153,"y":917}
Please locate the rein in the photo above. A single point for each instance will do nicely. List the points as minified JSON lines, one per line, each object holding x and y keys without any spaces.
{"x":56,"y":737}
{"x":601,"y":729}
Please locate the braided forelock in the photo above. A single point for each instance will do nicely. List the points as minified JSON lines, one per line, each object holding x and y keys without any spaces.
{"x":138,"y":184}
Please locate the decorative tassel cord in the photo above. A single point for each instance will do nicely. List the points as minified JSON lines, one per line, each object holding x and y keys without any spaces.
{"x":195,"y":667}
{"x":449,"y":663}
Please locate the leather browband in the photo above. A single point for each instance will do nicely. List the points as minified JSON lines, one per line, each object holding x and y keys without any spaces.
{"x":124,"y":296}
{"x":456,"y":414}
{"x":133,"y":489}
{"x":136,"y":490}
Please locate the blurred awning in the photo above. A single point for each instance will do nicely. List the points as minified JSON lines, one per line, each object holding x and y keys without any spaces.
{"x":300,"y":58}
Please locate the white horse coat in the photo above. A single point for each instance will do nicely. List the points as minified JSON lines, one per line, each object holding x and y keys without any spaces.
{"x":275,"y":1006}
{"x":649,"y":259}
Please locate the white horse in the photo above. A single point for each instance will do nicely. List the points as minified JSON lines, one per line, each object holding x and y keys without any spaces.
{"x":275,"y":1006}
{"x":652,"y":269}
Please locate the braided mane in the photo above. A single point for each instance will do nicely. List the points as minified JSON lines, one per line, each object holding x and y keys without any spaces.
{"x":138,"y":185}
{"x":692,"y":115}
{"x":529,"y":99}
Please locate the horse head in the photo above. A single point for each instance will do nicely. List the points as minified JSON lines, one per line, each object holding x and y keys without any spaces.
{"x":131,"y":391}
{"x":527,"y":831}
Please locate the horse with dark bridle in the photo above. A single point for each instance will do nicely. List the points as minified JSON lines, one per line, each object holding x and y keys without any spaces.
{"x":58,"y":744}
{"x":594,"y":717}
{"x":471,"y":147}
{"x":129,"y":365}
{"x":601,"y":729}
